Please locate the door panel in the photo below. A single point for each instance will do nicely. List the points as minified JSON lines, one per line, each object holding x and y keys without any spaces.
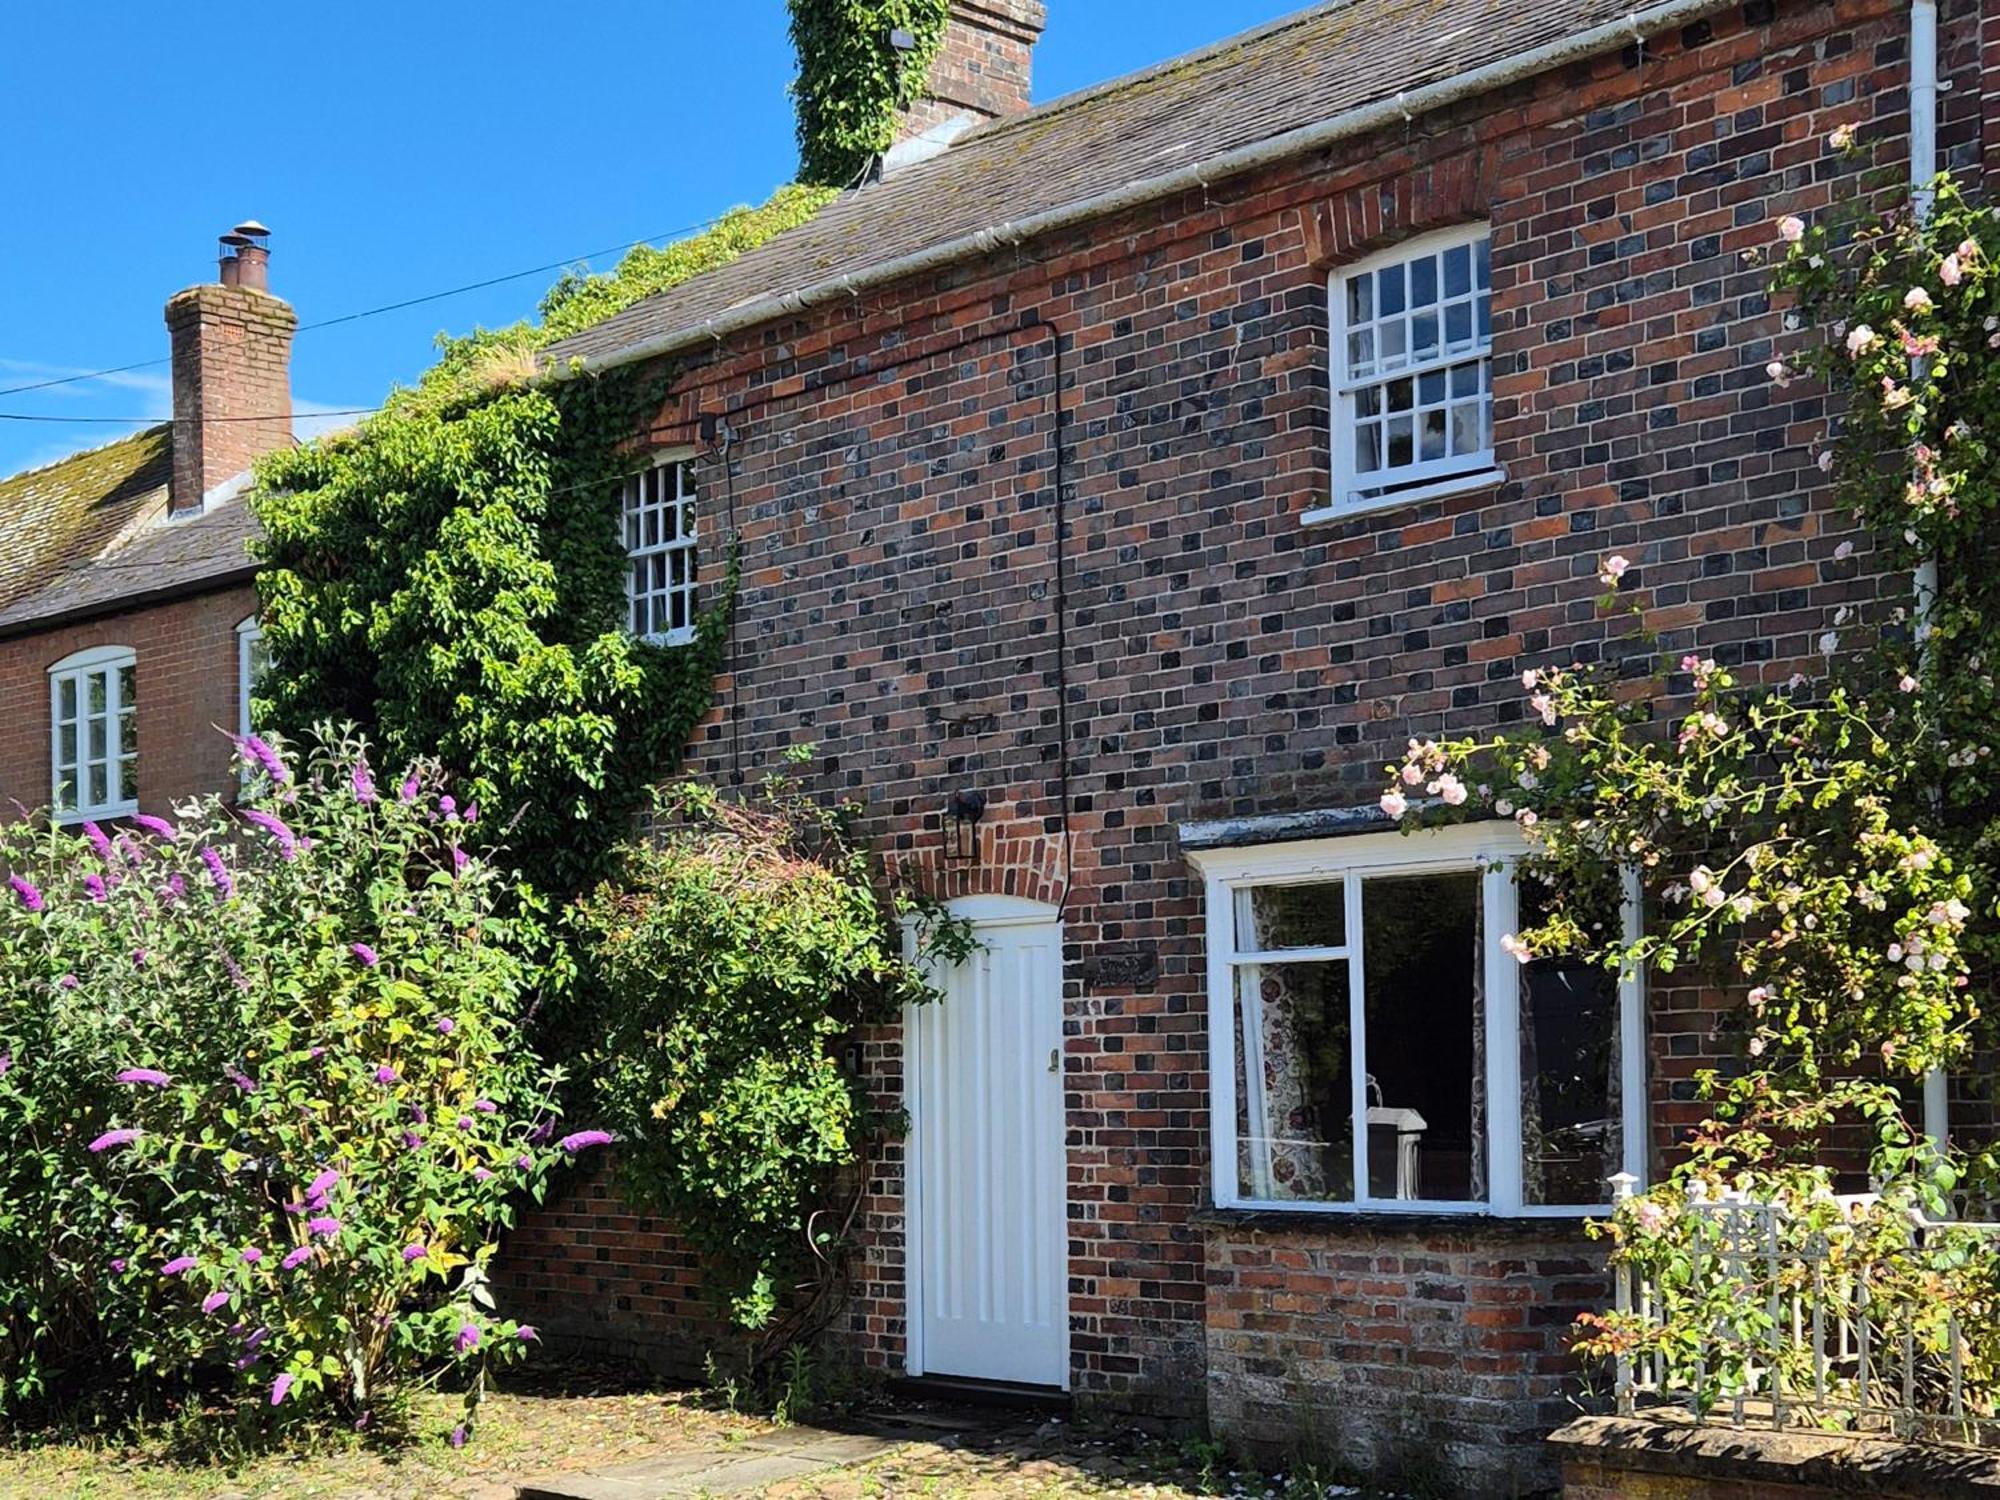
{"x":990,"y":1236}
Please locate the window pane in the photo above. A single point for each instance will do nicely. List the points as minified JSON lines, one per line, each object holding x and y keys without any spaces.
{"x":1425,"y":1030}
{"x":1482,"y":261}
{"x":66,"y":745}
{"x":1294,"y":1118}
{"x":1424,"y":335}
{"x":1458,"y":323}
{"x":128,"y":734}
{"x":1368,"y":448}
{"x":1465,"y":426}
{"x":1432,"y":445}
{"x":1361,"y":350}
{"x":1399,"y":442}
{"x":1572,"y":1137}
{"x":1389,"y":289}
{"x":128,"y":781}
{"x":66,"y":698}
{"x":1430,"y":387}
{"x":1392,"y":346}
{"x":128,"y":686}
{"x":96,"y":685}
{"x":94,"y":736}
{"x":1360,"y":298}
{"x":95,"y":780}
{"x":1458,"y":271}
{"x":1423,"y":281}
{"x":1270,"y":917}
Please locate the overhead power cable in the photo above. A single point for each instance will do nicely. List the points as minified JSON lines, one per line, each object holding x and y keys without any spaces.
{"x":387,"y":307}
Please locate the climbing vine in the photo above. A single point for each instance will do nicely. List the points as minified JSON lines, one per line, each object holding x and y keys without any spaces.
{"x":450,"y":575}
{"x":852,"y":80}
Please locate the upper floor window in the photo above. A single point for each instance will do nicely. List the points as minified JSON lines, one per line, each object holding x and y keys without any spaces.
{"x":1412,"y":347}
{"x":660,"y":543}
{"x":1375,"y":1045}
{"x":94,"y":734}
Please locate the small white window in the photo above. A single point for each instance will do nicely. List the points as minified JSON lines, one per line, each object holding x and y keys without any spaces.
{"x":1412,"y":354}
{"x":1372,"y":1046}
{"x":251,"y":659}
{"x":660,"y":542}
{"x":94,"y":734}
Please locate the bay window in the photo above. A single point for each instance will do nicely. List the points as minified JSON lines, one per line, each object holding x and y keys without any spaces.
{"x":1374,"y":1046}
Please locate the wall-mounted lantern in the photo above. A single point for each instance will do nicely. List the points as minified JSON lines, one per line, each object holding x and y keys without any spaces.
{"x":961,"y":826}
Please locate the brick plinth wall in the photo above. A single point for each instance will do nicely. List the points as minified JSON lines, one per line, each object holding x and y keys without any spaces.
{"x":594,"y":1277}
{"x":1417,"y":1354}
{"x":1613,"y":1458}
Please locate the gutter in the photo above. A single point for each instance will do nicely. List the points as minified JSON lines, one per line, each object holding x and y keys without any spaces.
{"x":208,"y":583}
{"x":1401,"y":108}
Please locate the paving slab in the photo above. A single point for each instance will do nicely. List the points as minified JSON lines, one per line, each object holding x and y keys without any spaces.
{"x":770,"y":1458}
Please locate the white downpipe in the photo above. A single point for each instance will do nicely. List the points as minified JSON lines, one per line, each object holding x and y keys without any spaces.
{"x":1923,"y":171}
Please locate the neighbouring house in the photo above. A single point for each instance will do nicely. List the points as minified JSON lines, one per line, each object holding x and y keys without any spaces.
{"x":1121,"y":483}
{"x":128,"y":618}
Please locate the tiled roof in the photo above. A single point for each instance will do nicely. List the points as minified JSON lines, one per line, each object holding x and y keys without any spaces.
{"x":1289,"y":75}
{"x":91,"y":531}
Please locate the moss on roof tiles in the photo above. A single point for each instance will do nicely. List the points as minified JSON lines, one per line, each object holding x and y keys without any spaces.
{"x":63,"y":514}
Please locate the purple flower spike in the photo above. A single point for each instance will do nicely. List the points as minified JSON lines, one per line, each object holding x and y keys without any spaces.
{"x":471,"y":813}
{"x":245,"y":1084}
{"x":411,"y":1140}
{"x":411,"y":786}
{"x":465,"y":1122}
{"x":253,"y":749}
{"x":420,"y":1114}
{"x":256,"y":1338}
{"x":218,"y":874}
{"x":323,"y":1224}
{"x":459,"y":860}
{"x":323,"y":1184}
{"x":24,"y":888}
{"x":448,"y":805}
{"x":524,"y":1162}
{"x":363,"y":782}
{"x":527,"y":1334}
{"x":179,"y":1264}
{"x":69,"y":981}
{"x":458,"y":1436}
{"x":583,"y":1140}
{"x":93,"y":887}
{"x":99,"y":842}
{"x":152,"y":1077}
{"x":118,"y":1266}
{"x":6,"y":1063}
{"x":414,"y":1253}
{"x":386,"y":1074}
{"x":368,"y":956}
{"x":160,"y":828}
{"x":280,"y":1388}
{"x":112,"y":1138}
{"x":297,"y":1258}
{"x":467,"y":1340}
{"x":288,"y":843}
{"x":213,"y":1301}
{"x":446,"y":1025}
{"x":480,"y":1174}
{"x":485,"y":1106}
{"x":251,"y":1255}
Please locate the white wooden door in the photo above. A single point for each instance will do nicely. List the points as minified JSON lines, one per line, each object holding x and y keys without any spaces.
{"x":988,"y":1191}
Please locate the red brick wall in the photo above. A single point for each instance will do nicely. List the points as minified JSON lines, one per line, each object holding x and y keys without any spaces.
{"x":187,"y":697}
{"x":892,"y":481}
{"x":1408,"y":1353}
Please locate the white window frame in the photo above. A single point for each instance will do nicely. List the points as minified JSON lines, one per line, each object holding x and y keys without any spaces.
{"x":77,"y":669}
{"x":1424,"y":480}
{"x":1494,"y":849}
{"x":249,"y":635}
{"x":681,"y":460}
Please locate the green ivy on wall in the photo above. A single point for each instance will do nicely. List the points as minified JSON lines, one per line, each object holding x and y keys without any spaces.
{"x":450,"y":576}
{"x":852,"y":80}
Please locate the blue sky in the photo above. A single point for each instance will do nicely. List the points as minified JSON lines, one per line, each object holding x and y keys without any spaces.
{"x":395,"y":150}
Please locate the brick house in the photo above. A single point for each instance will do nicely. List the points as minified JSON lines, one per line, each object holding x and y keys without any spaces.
{"x":1123,"y":481}
{"x":128,"y":633}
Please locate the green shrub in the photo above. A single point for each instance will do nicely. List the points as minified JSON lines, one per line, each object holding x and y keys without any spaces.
{"x":734,"y":951}
{"x":264,"y":1092}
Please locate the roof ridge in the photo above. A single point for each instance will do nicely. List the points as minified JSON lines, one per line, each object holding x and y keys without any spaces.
{"x":990,"y":128}
{"x":164,"y":425}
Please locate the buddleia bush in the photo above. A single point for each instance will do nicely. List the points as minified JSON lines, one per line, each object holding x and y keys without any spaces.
{"x":264,"y":1095}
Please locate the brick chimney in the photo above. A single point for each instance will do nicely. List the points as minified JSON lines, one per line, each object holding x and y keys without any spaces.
{"x":983,"y":68}
{"x":232,"y":354}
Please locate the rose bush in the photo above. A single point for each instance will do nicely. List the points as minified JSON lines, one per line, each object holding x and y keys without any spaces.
{"x":263,"y":1092}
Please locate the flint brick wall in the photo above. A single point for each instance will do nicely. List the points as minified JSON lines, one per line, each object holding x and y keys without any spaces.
{"x":187,"y":697}
{"x":891,"y":476}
